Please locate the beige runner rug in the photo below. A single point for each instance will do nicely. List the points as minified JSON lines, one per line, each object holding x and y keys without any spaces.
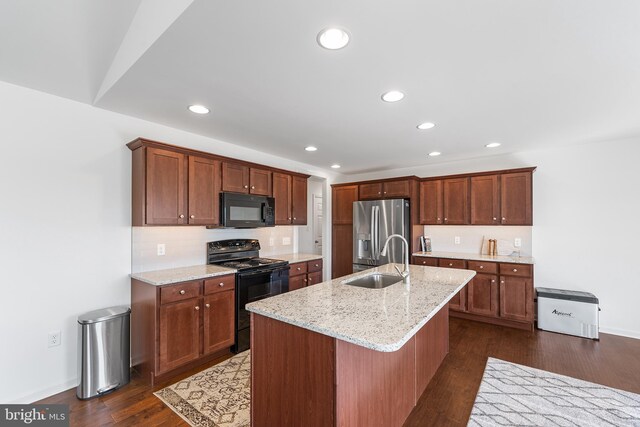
{"x":217,"y":396}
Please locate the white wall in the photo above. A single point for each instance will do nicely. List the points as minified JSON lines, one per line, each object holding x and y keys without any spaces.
{"x":586,"y":226}
{"x":65,"y":181}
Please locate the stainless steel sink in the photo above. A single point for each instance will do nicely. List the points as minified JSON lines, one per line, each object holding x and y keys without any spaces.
{"x":374,"y":281}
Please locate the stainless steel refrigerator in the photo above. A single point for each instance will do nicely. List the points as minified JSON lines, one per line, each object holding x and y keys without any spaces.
{"x":373,"y":222}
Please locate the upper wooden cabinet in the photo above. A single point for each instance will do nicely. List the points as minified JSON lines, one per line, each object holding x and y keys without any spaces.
{"x":485,"y":200}
{"x":239,"y":178}
{"x":342,"y":201}
{"x":516,"y":204}
{"x":384,"y":190}
{"x":290,"y":193}
{"x":498,"y":198}
{"x":204,"y":187}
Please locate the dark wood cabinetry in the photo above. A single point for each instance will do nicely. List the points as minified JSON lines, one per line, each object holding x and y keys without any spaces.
{"x":500,"y":293}
{"x":177,"y":186}
{"x":239,"y":178}
{"x":342,"y":230}
{"x":487,"y":198}
{"x":179,"y":326}
{"x":342,"y":199}
{"x":305,"y":273}
{"x":385,"y":190}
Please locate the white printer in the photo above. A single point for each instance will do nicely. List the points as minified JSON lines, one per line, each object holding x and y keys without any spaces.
{"x":568,"y":312}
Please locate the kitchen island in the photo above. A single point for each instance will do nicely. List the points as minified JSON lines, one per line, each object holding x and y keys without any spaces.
{"x":334,"y":354}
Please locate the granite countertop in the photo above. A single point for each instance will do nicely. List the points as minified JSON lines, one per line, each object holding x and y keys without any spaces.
{"x":182,"y":274}
{"x":293,"y":258}
{"x":379,"y":319}
{"x":477,"y":257}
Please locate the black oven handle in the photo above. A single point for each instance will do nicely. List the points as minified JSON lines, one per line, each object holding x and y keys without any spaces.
{"x":255,"y":273}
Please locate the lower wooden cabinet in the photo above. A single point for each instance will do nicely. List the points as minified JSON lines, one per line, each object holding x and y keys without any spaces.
{"x":305,"y":273}
{"x":176,"y":327}
{"x":500,"y":293}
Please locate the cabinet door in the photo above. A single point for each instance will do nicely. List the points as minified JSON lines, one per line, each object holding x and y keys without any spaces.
{"x":370,"y":191}
{"x":166,"y":183}
{"x":516,"y":298}
{"x":179,"y":334}
{"x":485,"y":200}
{"x":260,"y":182}
{"x":516,"y":199}
{"x":431,"y":202}
{"x":455,"y":194}
{"x":235,"y":177}
{"x":396,"y":189}
{"x":219,"y":317}
{"x":342,"y":250}
{"x":297,"y":282}
{"x":314,"y":278}
{"x":282,"y":195}
{"x":482,"y":295}
{"x":204,"y":191}
{"x":342,"y":209}
{"x":299,"y":200}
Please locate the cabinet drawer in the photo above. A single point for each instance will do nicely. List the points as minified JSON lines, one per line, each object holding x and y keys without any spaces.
{"x":298,"y":268}
{"x":520,"y":270}
{"x":452,"y":263}
{"x":422,"y":260}
{"x":315,"y":265}
{"x":483,"y":267}
{"x":179,"y":292}
{"x":219,"y":284}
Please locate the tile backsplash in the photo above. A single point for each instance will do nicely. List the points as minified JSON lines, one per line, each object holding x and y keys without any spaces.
{"x":185,"y":246}
{"x":443,"y":237}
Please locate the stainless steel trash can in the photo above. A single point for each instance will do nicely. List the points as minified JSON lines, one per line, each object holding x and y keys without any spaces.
{"x":103,"y":351}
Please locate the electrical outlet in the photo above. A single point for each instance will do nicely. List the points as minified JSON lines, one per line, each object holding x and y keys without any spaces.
{"x":286,"y":240}
{"x":161,"y":249}
{"x":456,"y":240}
{"x":272,"y":241}
{"x":55,"y":338}
{"x":517,"y":242}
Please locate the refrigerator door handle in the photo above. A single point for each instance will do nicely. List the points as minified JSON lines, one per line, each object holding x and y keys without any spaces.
{"x":377,"y":227}
{"x":373,"y":232}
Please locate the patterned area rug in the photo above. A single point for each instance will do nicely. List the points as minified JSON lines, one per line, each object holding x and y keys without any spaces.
{"x":217,"y":396}
{"x":513,"y":394}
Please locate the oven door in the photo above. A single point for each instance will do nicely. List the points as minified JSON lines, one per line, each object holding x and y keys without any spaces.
{"x":254,"y":286}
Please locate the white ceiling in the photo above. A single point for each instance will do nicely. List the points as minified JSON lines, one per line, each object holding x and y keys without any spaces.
{"x":529,"y":73}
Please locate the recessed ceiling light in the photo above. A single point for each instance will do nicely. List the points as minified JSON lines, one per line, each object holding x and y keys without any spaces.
{"x":493,"y":145}
{"x":333,"y":38}
{"x":392,"y":96}
{"x":336,"y":166}
{"x":434,"y":153}
{"x":198,"y":109}
{"x":425,"y":125}
{"x":311,"y":148}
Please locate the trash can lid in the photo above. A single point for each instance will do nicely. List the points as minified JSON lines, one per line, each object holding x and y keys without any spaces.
{"x":567,"y":295}
{"x":104,"y":314}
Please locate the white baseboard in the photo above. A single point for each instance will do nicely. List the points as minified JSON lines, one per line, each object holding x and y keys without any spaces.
{"x":46,"y":392}
{"x":621,"y":332}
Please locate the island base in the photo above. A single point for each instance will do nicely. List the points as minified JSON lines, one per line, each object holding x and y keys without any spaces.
{"x":300,"y":377}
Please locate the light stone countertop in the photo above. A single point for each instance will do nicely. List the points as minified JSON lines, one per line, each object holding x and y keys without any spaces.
{"x":378,"y":319}
{"x":182,"y":274}
{"x":293,"y":258}
{"x":477,"y":257}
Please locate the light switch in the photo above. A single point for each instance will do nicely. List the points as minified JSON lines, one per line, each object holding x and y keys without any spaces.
{"x":161,"y":249}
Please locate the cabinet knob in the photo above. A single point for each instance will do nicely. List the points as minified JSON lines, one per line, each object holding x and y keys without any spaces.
{"x":515,"y":270}
{"x":445,"y":219}
{"x":310,"y":281}
{"x":246,"y":186}
{"x":502,"y":281}
{"x":289,"y":218}
{"x":207,"y":305}
{"x":424,"y":262}
{"x":495,"y":219}
{"x":182,"y":292}
{"x":450,"y":265}
{"x":193,"y":216}
{"x":298,"y":268}
{"x":384,"y":192}
{"x":317,"y":265}
{"x":304,"y":280}
{"x":493,"y":281}
{"x":197,"y":307}
{"x":378,"y":192}
{"x":294,"y":218}
{"x":481,"y":267}
{"x":504,"y":219}
{"x":221,"y":284}
{"x":253,"y":187}
{"x":181,"y":216}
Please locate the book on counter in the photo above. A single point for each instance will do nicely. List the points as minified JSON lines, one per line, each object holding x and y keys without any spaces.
{"x":425,"y":243}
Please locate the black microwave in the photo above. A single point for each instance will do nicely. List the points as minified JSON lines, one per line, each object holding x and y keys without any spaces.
{"x":246,"y":210}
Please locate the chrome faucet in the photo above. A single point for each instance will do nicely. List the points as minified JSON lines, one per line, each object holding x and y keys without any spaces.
{"x":405,"y":246}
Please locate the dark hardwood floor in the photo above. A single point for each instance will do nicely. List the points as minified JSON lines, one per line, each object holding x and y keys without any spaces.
{"x":613,"y":361}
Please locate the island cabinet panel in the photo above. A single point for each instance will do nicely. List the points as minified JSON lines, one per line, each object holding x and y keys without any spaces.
{"x":364,"y":377}
{"x":179,"y":334}
{"x":485,"y":200}
{"x":298,"y":201}
{"x":235,"y":177}
{"x":516,"y":199}
{"x":204,"y":190}
{"x":432,"y":345}
{"x":427,"y":261}
{"x":455,"y":194}
{"x":294,"y":369}
{"x":431,"y":211}
{"x":282,"y":196}
{"x":166,"y":183}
